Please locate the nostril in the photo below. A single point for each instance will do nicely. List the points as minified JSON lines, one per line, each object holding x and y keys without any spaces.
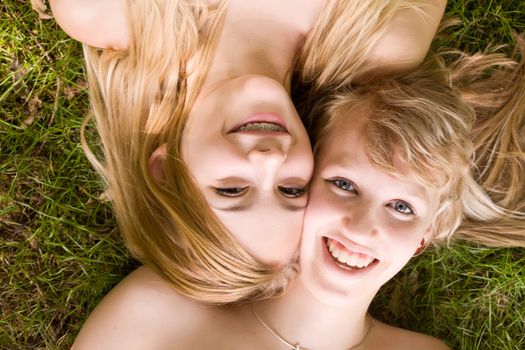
{"x":264,"y":150}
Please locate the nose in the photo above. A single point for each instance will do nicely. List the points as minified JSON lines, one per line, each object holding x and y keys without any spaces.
{"x":359,"y":223}
{"x":263,"y":147}
{"x":266,"y":145}
{"x":281,"y":143}
{"x":268,"y":155}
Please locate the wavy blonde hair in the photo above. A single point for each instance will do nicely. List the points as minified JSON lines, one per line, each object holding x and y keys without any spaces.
{"x":456,"y":129}
{"x":340,"y":48}
{"x":140,"y":100}
{"x":494,"y":85}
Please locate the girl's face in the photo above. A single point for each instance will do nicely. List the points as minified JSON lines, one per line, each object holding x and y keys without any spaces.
{"x":250,"y":155}
{"x":362,"y":225}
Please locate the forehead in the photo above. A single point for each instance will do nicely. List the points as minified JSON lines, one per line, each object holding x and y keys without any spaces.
{"x":344,"y":148}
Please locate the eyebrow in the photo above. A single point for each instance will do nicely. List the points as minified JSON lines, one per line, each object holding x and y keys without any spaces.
{"x":237,"y":208}
{"x":234,"y":208}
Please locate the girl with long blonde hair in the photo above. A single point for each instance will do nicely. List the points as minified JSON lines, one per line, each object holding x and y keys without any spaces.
{"x":254,"y":326}
{"x":401,"y":163}
{"x":395,"y":171}
{"x":205,"y":159}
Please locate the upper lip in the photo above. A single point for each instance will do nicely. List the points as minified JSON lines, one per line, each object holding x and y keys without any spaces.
{"x":353,"y":247}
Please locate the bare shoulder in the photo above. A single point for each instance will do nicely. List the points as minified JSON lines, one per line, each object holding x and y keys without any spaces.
{"x":99,"y":23}
{"x":408,"y":37}
{"x":394,"y":338}
{"x":141,"y":312}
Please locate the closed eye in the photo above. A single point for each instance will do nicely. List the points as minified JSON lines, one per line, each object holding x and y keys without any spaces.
{"x":402,"y":207}
{"x":343,"y":184}
{"x":231,"y":191}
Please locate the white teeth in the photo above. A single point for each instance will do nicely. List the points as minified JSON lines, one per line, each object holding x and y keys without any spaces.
{"x":352,"y":261}
{"x":355,"y":260}
{"x":261,"y":126}
{"x":331,"y":247}
{"x":343,"y":257}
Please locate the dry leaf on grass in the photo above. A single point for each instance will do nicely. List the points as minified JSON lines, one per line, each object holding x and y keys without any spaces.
{"x":72,"y":91}
{"x":41,"y":9}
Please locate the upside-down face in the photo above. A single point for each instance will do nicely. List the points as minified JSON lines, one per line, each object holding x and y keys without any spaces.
{"x":250,"y":155}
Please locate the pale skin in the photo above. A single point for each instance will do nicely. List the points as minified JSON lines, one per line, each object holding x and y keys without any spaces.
{"x":266,"y":173}
{"x":259,"y":194}
{"x":378,"y":221}
{"x":353,"y":203}
{"x":162,"y":318}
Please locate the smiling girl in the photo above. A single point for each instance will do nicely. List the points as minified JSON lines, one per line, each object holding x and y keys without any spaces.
{"x":205,"y":158}
{"x":395,"y":170}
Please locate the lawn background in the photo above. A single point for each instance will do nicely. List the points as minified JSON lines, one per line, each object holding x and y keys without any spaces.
{"x":60,"y":251}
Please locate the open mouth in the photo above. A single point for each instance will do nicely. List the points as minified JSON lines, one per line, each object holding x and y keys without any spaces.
{"x":260,"y":126}
{"x":347,"y":259}
{"x":261,"y":123}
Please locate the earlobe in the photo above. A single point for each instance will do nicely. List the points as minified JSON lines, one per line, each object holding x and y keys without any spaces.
{"x":421,"y":247}
{"x":425,"y":241}
{"x":157,"y":162}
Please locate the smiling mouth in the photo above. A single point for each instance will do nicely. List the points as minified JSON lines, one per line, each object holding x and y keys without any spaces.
{"x":346,"y":259}
{"x":260,"y":126}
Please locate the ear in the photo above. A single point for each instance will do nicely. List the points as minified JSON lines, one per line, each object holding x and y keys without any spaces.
{"x":428,"y":235}
{"x":425,"y":241}
{"x":157,"y":162}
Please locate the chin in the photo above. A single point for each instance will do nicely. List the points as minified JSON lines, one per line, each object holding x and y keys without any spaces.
{"x":338,"y":296}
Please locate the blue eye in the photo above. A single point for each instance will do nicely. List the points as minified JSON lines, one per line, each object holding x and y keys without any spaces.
{"x":292,"y":192}
{"x":402,"y":207}
{"x":343,"y":184}
{"x":231,"y":191}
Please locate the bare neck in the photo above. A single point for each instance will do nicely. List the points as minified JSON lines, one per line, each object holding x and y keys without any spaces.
{"x":299,"y":317}
{"x":261,"y":38}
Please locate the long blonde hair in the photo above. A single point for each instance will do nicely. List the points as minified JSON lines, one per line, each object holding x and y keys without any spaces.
{"x":494,"y":85}
{"x":339,"y":48}
{"x":140,"y":100}
{"x":439,"y":120}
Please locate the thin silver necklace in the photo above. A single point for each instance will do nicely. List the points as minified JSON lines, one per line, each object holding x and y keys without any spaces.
{"x":298,"y":346}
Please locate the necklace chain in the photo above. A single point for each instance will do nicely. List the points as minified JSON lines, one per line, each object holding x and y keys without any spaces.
{"x":298,"y":346}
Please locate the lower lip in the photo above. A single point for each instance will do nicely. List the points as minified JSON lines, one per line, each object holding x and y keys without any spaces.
{"x":334,"y":268}
{"x":262,"y":118}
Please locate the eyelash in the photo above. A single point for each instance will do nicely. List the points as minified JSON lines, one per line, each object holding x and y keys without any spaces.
{"x":289,"y":192}
{"x":343,"y":184}
{"x":231,"y":191}
{"x":292,"y":192}
{"x":348,"y":186}
{"x":393,"y":206}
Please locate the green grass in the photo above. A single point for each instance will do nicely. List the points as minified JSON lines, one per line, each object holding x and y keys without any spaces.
{"x":60,"y":251}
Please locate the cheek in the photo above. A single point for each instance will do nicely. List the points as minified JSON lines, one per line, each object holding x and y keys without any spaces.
{"x":317,"y":215}
{"x":406,"y":236}
{"x":318,"y":219}
{"x":205,"y":159}
{"x":310,"y":228}
{"x":271,"y":238}
{"x":303,"y":153}
{"x":320,"y":198}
